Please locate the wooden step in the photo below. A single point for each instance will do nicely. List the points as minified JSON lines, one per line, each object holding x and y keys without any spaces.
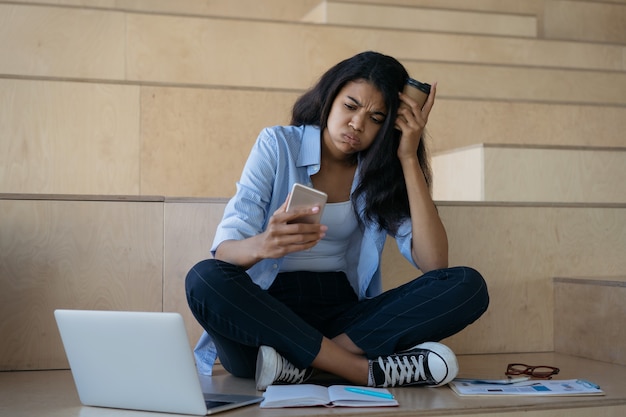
{"x":532,"y":7}
{"x":511,"y":83}
{"x":459,"y":123}
{"x":531,"y":174}
{"x":105,"y":253}
{"x":519,"y":247}
{"x":589,"y":315}
{"x":118,"y":139}
{"x":53,"y":394}
{"x":587,"y":21}
{"x":423,"y":19}
{"x":562,"y":19}
{"x":278,"y":10}
{"x":133,"y":253}
{"x":121,"y":135}
{"x":94,"y":44}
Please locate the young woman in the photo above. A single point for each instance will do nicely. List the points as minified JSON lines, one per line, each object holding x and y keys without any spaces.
{"x":283,"y":297}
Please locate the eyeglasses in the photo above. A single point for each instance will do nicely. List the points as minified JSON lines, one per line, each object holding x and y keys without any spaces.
{"x":542,"y":372}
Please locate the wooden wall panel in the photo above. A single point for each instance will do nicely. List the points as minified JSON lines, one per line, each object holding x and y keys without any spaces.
{"x":189,"y":231}
{"x":555,"y":175}
{"x":192,"y":50}
{"x":72,"y":254}
{"x":61,"y":42}
{"x":195,"y":141}
{"x":426,"y":19}
{"x":105,"y":44}
{"x":455,"y":123}
{"x":512,"y":83}
{"x":501,"y":6}
{"x":589,"y":318}
{"x":459,"y":175}
{"x":68,"y":138}
{"x":531,"y":174}
{"x":585,"y":21}
{"x":189,"y":52}
{"x":128,"y":255}
{"x":255,"y":9}
{"x":519,"y":249}
{"x":83,"y":138}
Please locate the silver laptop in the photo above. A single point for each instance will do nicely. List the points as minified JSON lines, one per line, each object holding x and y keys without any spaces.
{"x":137,"y":361}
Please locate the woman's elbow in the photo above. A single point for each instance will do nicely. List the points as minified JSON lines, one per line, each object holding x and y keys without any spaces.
{"x":432,"y":263}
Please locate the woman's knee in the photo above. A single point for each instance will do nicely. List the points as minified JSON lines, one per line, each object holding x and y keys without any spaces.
{"x":473,"y":277}
{"x":205,"y":282}
{"x":211,"y":283}
{"x":198,"y":275}
{"x":475,"y":287}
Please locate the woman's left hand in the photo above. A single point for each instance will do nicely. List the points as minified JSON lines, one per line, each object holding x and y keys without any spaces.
{"x":411,"y":121}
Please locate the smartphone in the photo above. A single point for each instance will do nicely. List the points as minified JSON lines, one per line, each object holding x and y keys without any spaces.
{"x":417,"y":90}
{"x":303,"y":196}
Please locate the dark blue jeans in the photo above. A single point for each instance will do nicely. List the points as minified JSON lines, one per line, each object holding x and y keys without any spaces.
{"x":300,"y":308}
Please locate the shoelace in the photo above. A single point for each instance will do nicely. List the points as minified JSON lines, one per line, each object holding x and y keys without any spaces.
{"x":290,"y":374}
{"x":402,"y":369}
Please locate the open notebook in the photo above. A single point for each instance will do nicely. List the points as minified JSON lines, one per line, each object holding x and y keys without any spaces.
{"x":138,"y":361}
{"x":309,"y":395}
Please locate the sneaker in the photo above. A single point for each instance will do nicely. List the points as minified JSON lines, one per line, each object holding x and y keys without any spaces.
{"x":272,"y":368}
{"x":431,"y":364}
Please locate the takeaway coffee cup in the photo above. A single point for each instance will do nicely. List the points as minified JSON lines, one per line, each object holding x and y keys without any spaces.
{"x":417,"y":91}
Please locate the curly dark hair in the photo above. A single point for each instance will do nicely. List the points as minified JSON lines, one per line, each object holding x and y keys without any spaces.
{"x":381,"y":184}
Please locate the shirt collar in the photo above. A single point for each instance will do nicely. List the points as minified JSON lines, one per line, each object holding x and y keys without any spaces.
{"x":311,"y":149}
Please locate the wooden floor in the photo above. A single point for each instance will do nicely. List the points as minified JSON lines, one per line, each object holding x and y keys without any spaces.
{"x":52,"y":394}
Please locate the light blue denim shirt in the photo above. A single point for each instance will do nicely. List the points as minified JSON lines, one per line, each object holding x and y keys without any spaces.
{"x":281,"y":156}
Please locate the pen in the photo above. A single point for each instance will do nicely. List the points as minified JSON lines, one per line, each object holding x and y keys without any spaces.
{"x":588,"y":384}
{"x":370,"y":392}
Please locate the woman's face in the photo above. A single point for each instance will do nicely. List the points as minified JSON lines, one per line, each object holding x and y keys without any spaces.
{"x":355,"y":118}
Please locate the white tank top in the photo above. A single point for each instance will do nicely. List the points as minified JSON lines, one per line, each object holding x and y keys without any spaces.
{"x":329,"y":254}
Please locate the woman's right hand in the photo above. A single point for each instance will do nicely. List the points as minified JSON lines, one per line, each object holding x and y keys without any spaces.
{"x":285,"y":234}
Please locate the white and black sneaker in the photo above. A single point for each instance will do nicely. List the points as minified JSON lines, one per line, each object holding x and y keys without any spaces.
{"x":431,"y":364}
{"x":271,"y":368}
